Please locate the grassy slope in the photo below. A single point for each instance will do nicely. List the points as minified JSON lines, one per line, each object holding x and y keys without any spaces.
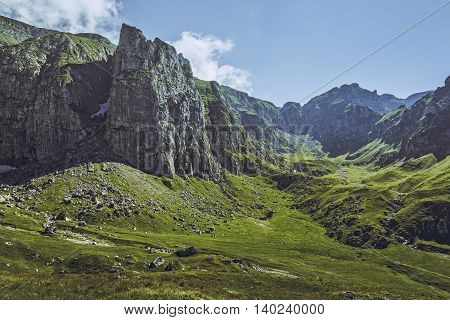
{"x":352,"y":201}
{"x":295,"y":258}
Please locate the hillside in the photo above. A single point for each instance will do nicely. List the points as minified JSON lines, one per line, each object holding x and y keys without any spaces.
{"x":91,"y":232}
{"x":122,"y":176}
{"x":354,"y":94}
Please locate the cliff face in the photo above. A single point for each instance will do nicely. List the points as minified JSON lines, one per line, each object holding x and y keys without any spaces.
{"x":49,"y":87}
{"x":421,"y":129}
{"x":293,"y":118}
{"x":156,"y":116}
{"x":226,"y":135}
{"x":14,"y":32}
{"x":339,"y":127}
{"x":354,"y":94}
{"x":243,"y":103}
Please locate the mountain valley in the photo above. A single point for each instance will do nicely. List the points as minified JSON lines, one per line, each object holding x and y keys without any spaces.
{"x":123,"y":176}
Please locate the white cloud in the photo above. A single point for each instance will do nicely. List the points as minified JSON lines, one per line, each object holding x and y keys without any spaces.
{"x":204,"y":52}
{"x":96,"y":16}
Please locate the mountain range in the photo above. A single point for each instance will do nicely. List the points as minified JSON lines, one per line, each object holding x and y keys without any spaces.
{"x":121,"y":147}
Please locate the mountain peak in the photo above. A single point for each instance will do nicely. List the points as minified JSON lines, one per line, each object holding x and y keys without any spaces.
{"x":354,"y":94}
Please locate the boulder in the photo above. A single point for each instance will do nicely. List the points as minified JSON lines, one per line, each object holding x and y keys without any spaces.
{"x":187,"y":252}
{"x":159,"y":261}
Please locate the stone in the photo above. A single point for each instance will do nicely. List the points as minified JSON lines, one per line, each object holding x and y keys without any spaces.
{"x":159,"y":261}
{"x":67,"y":200}
{"x":61,"y":217}
{"x":173,"y":266}
{"x":45,"y":102}
{"x":49,"y":229}
{"x":116,"y":269}
{"x":381,"y":243}
{"x":156,"y":116}
{"x":187,"y":252}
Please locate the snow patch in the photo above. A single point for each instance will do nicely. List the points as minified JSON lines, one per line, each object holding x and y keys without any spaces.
{"x":4,"y":168}
{"x":103,"y":109}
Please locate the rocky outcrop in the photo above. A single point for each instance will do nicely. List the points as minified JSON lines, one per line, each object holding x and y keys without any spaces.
{"x":339,"y":127}
{"x":13,"y":31}
{"x":49,"y":87}
{"x":419,"y":130}
{"x":242,"y":102}
{"x":293,"y":118}
{"x":226,"y":135}
{"x":354,"y":94}
{"x":156,"y":116}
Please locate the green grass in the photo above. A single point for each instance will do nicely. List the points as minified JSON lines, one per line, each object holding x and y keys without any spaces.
{"x":352,"y":201}
{"x":288,"y":256}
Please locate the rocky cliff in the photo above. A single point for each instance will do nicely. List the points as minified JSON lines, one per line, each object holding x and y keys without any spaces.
{"x":59,"y":89}
{"x":419,"y":130}
{"x":339,"y":127}
{"x":156,"y":116}
{"x":354,"y":94}
{"x":226,"y":135}
{"x":243,"y":103}
{"x":14,"y":32}
{"x":49,"y":87}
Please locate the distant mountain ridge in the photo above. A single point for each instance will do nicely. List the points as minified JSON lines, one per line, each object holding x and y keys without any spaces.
{"x":354,"y":94}
{"x":13,"y":31}
{"x":58,"y":86}
{"x":424,"y":128}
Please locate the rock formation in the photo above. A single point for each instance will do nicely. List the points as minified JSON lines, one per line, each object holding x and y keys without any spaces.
{"x":226,"y":135}
{"x":49,"y":87}
{"x":421,"y":129}
{"x":340,"y":127}
{"x":14,"y":32}
{"x":354,"y":94}
{"x":156,"y":116}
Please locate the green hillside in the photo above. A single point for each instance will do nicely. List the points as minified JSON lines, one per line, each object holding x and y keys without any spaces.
{"x":111,"y":221}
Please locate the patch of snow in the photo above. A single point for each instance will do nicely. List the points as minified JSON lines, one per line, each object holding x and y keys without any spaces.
{"x":4,"y":168}
{"x":103,"y":109}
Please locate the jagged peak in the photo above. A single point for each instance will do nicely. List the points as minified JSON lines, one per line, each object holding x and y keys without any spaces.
{"x":290,"y":104}
{"x":129,"y":32}
{"x":353,"y":85}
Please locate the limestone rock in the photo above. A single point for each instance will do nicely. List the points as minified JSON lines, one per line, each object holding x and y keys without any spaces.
{"x":48,"y":88}
{"x":156,"y":116}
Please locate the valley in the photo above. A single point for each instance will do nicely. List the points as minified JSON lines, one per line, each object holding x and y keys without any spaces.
{"x":241,"y":253}
{"x":124,"y":176}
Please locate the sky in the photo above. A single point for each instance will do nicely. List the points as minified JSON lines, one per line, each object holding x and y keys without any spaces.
{"x":276,"y":50}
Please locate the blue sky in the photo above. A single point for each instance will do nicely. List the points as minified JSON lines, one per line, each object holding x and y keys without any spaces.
{"x":284,"y":50}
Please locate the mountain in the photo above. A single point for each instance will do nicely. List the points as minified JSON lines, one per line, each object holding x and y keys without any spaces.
{"x":245,"y":104}
{"x":120,"y":171}
{"x":354,"y":94}
{"x":156,"y":117}
{"x":421,"y":129}
{"x":13,"y":31}
{"x":49,"y":88}
{"x":140,"y":98}
{"x":344,"y":119}
{"x":415,"y":97}
{"x":340,"y":127}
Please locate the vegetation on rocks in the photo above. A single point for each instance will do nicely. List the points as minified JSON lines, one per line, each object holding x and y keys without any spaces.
{"x":249,"y":241}
{"x":124,"y":177}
